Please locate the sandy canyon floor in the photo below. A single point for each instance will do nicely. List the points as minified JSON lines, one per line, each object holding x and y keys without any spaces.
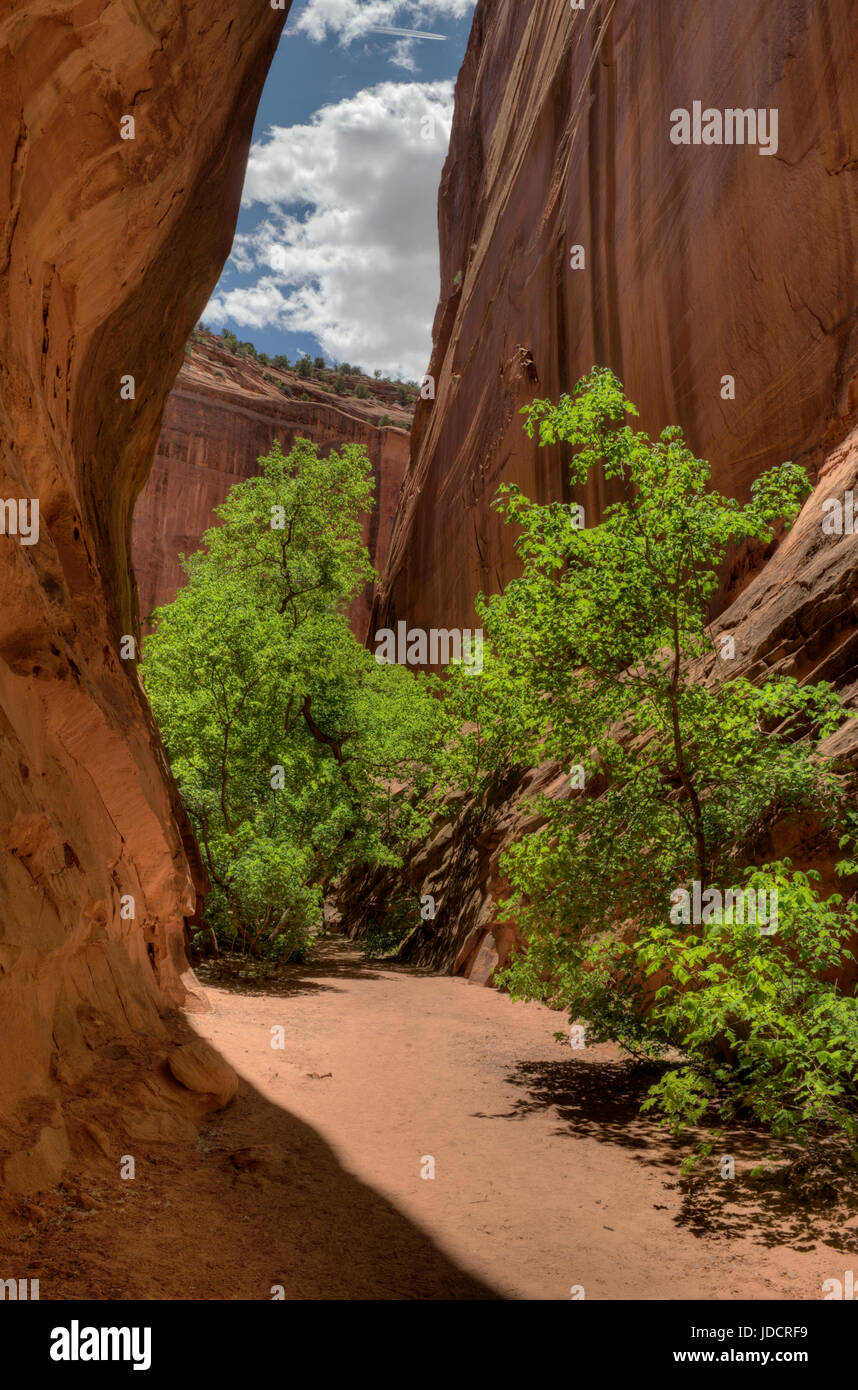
{"x":545,"y":1175}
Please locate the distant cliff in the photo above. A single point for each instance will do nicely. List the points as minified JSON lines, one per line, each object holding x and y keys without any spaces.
{"x":223,"y":413}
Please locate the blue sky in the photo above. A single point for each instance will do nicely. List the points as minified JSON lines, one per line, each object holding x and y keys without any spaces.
{"x":336,"y":246}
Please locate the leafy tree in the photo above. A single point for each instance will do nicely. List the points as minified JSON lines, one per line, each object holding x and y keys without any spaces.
{"x":320,"y":363}
{"x":289,"y":741}
{"x":362,"y":391}
{"x":304,"y":367}
{"x":281,"y":361}
{"x":340,"y":385}
{"x":596,"y":656}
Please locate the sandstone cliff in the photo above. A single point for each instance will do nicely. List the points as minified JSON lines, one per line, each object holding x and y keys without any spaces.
{"x":699,"y":262}
{"x":109,"y":249}
{"x":223,"y":413}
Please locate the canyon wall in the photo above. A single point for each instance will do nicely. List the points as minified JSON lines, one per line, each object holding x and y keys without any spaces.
{"x":109,"y":249}
{"x":700,"y":261}
{"x":223,"y":413}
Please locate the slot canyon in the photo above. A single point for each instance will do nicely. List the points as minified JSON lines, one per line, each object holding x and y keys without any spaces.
{"x":692,"y":265}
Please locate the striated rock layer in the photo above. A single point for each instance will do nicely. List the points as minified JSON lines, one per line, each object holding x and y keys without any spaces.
{"x":109,"y":249}
{"x":700,"y":261}
{"x":223,"y":413}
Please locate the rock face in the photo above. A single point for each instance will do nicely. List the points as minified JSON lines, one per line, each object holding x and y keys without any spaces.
{"x":109,"y":248}
{"x":221,"y":416}
{"x":700,"y":261}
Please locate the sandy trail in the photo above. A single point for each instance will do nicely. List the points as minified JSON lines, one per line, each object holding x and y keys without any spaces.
{"x":546,"y":1177}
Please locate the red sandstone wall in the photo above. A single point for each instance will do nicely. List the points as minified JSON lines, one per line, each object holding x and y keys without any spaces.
{"x":700,"y":261}
{"x":109,"y":250}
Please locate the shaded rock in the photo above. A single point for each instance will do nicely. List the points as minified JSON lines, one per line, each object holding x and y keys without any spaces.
{"x":198,"y":1067}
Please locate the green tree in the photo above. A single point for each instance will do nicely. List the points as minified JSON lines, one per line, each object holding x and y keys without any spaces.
{"x":600,"y":655}
{"x":289,"y":741}
{"x":304,"y":367}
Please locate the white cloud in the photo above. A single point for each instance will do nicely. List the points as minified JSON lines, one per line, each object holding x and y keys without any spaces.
{"x":359,"y":269}
{"x":352,"y":19}
{"x":403,"y":55}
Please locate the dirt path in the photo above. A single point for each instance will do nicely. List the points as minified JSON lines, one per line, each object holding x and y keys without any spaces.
{"x":546,"y":1177}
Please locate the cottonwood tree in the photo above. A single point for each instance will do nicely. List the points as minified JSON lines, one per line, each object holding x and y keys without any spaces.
{"x":288,"y":740}
{"x":596,"y":656}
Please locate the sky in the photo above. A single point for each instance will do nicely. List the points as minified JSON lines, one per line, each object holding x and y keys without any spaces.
{"x":336,"y":249}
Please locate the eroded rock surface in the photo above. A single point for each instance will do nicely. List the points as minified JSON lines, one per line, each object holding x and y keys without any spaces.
{"x":109,"y":249}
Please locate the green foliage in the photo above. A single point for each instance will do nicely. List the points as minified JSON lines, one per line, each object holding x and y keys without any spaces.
{"x":340,"y":385}
{"x":790,"y":1036}
{"x":281,"y":361}
{"x":304,"y":367}
{"x":600,"y":655}
{"x":362,"y":391}
{"x":286,"y":736}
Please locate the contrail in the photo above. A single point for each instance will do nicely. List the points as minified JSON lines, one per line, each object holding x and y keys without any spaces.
{"x":405,"y":33}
